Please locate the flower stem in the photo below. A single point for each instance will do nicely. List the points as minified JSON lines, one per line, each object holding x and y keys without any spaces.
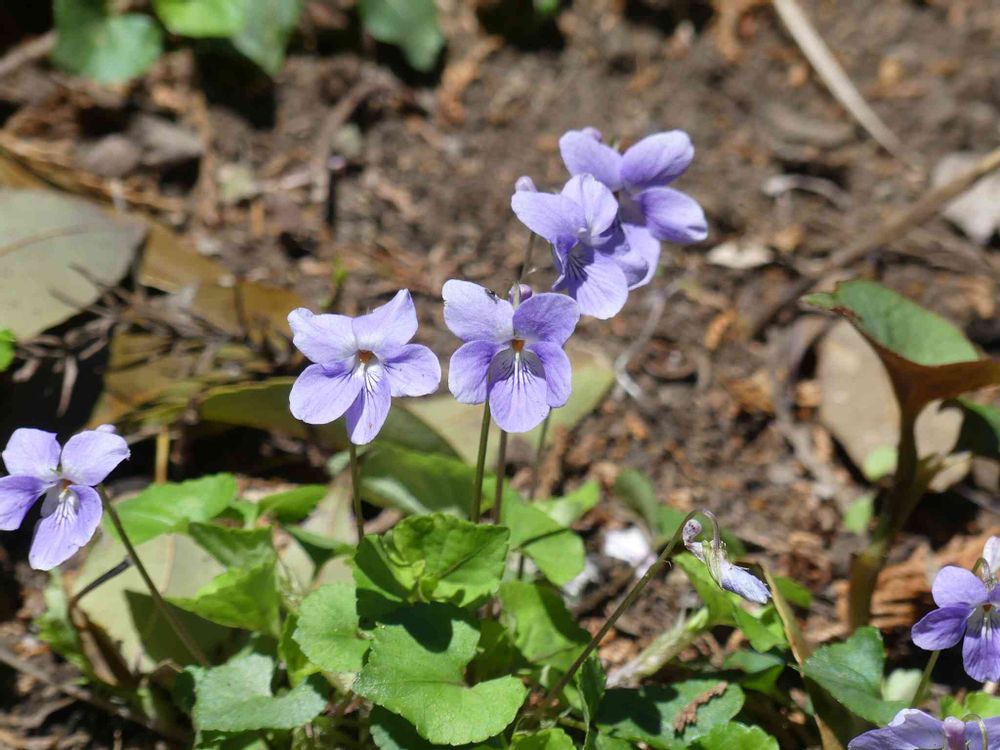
{"x":627,"y":602}
{"x":164,"y":608}
{"x":501,"y":471}
{"x":899,"y":503}
{"x":359,"y":519}
{"x":477,"y":490}
{"x":536,"y":469}
{"x":925,"y":680}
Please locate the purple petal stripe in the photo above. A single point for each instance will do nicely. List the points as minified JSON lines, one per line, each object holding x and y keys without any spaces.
{"x":368,"y":413}
{"x":556,"y":369}
{"x":517,"y":391}
{"x":69,"y":520}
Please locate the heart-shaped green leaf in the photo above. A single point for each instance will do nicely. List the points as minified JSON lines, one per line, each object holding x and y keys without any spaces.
{"x":543,"y":629}
{"x":327,"y":631}
{"x":546,"y":739}
{"x":736,"y":736}
{"x":851,"y":672}
{"x":416,"y":667}
{"x":927,"y":357}
{"x":429,"y":558}
{"x":163,"y":508}
{"x":556,"y":550}
{"x":409,"y":24}
{"x":107,"y":48}
{"x":239,"y":598}
{"x":669,"y":716}
{"x":236,"y":697}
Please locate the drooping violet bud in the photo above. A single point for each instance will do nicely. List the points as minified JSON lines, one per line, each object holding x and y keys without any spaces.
{"x":730,"y":577}
{"x":525,"y":184}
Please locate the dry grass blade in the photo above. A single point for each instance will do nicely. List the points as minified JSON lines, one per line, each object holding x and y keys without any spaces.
{"x":833,"y":75}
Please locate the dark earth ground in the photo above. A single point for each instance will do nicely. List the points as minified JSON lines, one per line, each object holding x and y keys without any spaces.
{"x":422,"y":195}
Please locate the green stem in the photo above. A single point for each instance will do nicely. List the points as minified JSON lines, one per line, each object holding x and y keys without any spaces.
{"x":477,"y":490}
{"x":161,"y":605}
{"x":536,"y":470}
{"x":501,"y":472}
{"x":619,"y":611}
{"x":925,"y":680}
{"x":359,"y":519}
{"x":899,"y":503}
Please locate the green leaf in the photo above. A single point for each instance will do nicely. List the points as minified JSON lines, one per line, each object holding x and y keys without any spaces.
{"x":57,"y":256}
{"x":246,"y":599}
{"x":590,"y":683}
{"x":660,"y":715}
{"x":296,"y":663}
{"x":557,"y":551}
{"x":163,"y":508}
{"x":319,"y":548}
{"x":236,"y":697}
{"x":983,"y":705}
{"x":719,"y":602}
{"x":546,"y":8}
{"x":430,"y":558}
{"x":859,"y":513}
{"x":263,"y":405}
{"x":409,"y":24}
{"x":638,"y":491}
{"x":543,"y":629}
{"x":328,"y":629}
{"x":736,"y":736}
{"x":546,"y":739}
{"x":569,"y":509}
{"x":415,"y":669}
{"x":293,"y":505}
{"x":392,"y":732}
{"x":106,"y":48}
{"x":980,"y":433}
{"x":762,"y":672}
{"x":7,"y":342}
{"x":267,"y":27}
{"x":851,"y":672}
{"x":121,"y":613}
{"x":418,"y":482}
{"x":927,"y":357}
{"x":235,"y":548}
{"x":202,"y":18}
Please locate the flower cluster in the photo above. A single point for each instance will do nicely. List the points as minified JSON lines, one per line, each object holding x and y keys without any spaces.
{"x":968,"y":611}
{"x":606,"y":224}
{"x":71,"y":510}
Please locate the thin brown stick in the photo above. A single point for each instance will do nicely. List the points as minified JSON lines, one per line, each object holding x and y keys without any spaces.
{"x":837,"y":81}
{"x":75,"y":691}
{"x":27,"y":52}
{"x":919,"y":212}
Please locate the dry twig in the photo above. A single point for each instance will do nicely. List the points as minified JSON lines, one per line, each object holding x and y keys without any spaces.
{"x":833,"y":75}
{"x":919,"y":212}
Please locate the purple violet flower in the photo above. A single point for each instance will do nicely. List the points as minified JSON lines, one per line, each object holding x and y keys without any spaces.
{"x":596,"y":265}
{"x":969,"y":609}
{"x":514,"y":358}
{"x":915,"y":730}
{"x":66,"y":477}
{"x":729,"y":577}
{"x":360,"y":364}
{"x":649,"y":211}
